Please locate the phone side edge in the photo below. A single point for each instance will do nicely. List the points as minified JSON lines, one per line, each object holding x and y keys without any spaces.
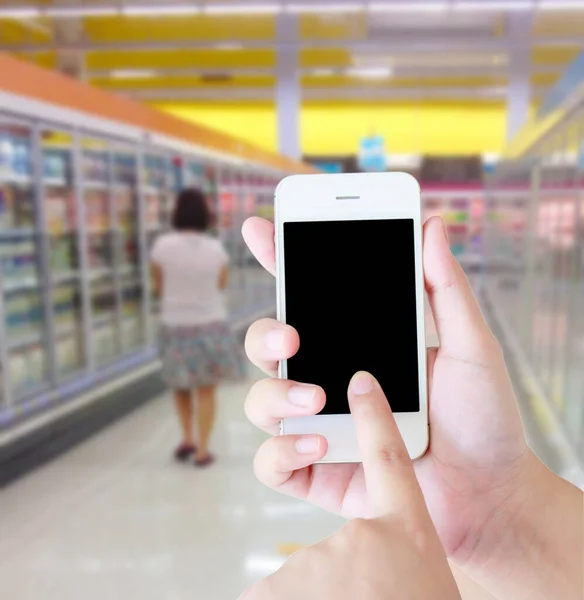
{"x":280,"y":275}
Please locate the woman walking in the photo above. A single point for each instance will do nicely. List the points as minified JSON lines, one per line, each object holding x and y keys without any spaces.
{"x":198,"y":349}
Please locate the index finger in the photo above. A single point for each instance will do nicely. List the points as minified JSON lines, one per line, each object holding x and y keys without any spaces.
{"x":258,"y":234}
{"x":389,"y":472}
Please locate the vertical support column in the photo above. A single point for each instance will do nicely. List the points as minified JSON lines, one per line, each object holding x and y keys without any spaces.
{"x":288,"y":92}
{"x":519,"y":88}
{"x":66,"y":34}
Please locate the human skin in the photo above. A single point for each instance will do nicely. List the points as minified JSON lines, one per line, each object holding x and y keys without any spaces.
{"x":501,"y":516}
{"x":395,"y":555}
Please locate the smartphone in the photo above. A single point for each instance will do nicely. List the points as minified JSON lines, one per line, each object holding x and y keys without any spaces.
{"x":350,"y":280}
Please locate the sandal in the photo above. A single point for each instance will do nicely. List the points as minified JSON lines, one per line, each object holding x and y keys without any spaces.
{"x":205,"y":462}
{"x":184,"y":451}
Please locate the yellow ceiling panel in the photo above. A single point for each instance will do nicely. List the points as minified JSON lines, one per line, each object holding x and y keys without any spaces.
{"x":333,"y":26}
{"x":563,"y":23}
{"x":328,"y":57}
{"x":403,"y":82}
{"x":220,"y":59}
{"x":556,"y":55}
{"x":181,"y":59}
{"x":544,"y":78}
{"x":178,"y":83}
{"x":24,"y":31}
{"x":48,"y":60}
{"x":140,"y":29}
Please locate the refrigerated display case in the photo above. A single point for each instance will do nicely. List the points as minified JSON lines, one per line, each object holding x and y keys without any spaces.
{"x":79,"y":211}
{"x":535,"y":246}
{"x":462,"y":209}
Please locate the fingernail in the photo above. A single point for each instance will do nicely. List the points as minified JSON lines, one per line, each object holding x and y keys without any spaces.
{"x":362,"y":383}
{"x":307,"y":445}
{"x":302,"y":395}
{"x":274,"y":340}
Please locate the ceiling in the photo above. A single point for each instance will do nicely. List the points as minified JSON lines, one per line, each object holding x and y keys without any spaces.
{"x":225,"y":51}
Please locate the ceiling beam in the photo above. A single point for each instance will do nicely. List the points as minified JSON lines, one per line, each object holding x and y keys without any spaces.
{"x":364,"y":93}
{"x":405,"y":44}
{"x":406,"y":71}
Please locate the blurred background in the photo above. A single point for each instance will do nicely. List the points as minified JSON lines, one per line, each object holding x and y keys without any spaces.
{"x":108,"y":108}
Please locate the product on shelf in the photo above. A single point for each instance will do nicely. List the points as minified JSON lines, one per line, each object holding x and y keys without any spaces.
{"x":15,"y":154}
{"x":16,"y":207}
{"x":60,"y":211}
{"x":68,"y":353}
{"x":124,"y":169}
{"x":463,"y":215}
{"x":56,"y":166}
{"x":95,"y":165}
{"x":97,"y":217}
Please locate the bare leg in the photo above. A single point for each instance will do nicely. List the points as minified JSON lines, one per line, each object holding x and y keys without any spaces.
{"x":206,"y":398}
{"x":184,"y":409}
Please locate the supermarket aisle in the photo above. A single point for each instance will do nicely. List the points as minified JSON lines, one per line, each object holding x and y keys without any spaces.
{"x":117,"y":518}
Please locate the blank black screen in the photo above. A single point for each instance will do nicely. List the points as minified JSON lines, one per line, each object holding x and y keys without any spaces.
{"x":351,"y":294}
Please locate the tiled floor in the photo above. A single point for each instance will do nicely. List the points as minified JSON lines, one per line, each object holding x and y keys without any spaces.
{"x":117,"y":518}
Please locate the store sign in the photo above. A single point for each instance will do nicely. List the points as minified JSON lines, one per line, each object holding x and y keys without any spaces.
{"x":372,"y":157}
{"x":329,"y":167}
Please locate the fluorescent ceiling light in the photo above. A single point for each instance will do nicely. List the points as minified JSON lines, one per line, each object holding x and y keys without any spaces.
{"x":370,"y":72}
{"x":228,"y":46}
{"x":19,"y":13}
{"x":408,"y":6}
{"x":242,"y":9}
{"x":162,"y":11}
{"x":133,"y":74}
{"x":322,"y":72}
{"x":348,"y":7}
{"x":488,"y":5}
{"x":58,"y":12}
{"x":561,"y":4}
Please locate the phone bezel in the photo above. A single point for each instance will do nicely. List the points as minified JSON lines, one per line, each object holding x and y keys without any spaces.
{"x":361,"y":196}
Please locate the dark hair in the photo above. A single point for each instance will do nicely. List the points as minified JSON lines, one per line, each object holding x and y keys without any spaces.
{"x":191,"y":211}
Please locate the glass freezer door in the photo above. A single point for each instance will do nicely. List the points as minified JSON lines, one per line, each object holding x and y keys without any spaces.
{"x":27,"y":365}
{"x":127,"y":248}
{"x":62,"y":226}
{"x":100,"y":251}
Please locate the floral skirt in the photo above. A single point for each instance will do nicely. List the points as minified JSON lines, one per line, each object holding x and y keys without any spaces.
{"x":199,"y":355}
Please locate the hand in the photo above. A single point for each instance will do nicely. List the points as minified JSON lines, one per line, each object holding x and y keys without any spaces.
{"x":396,"y":555}
{"x":477,"y":454}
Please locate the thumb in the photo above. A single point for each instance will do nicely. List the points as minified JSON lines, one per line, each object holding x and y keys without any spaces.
{"x":462,"y":329}
{"x":389,"y":472}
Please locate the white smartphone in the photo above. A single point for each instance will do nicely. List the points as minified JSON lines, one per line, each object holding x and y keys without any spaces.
{"x":350,"y":280}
